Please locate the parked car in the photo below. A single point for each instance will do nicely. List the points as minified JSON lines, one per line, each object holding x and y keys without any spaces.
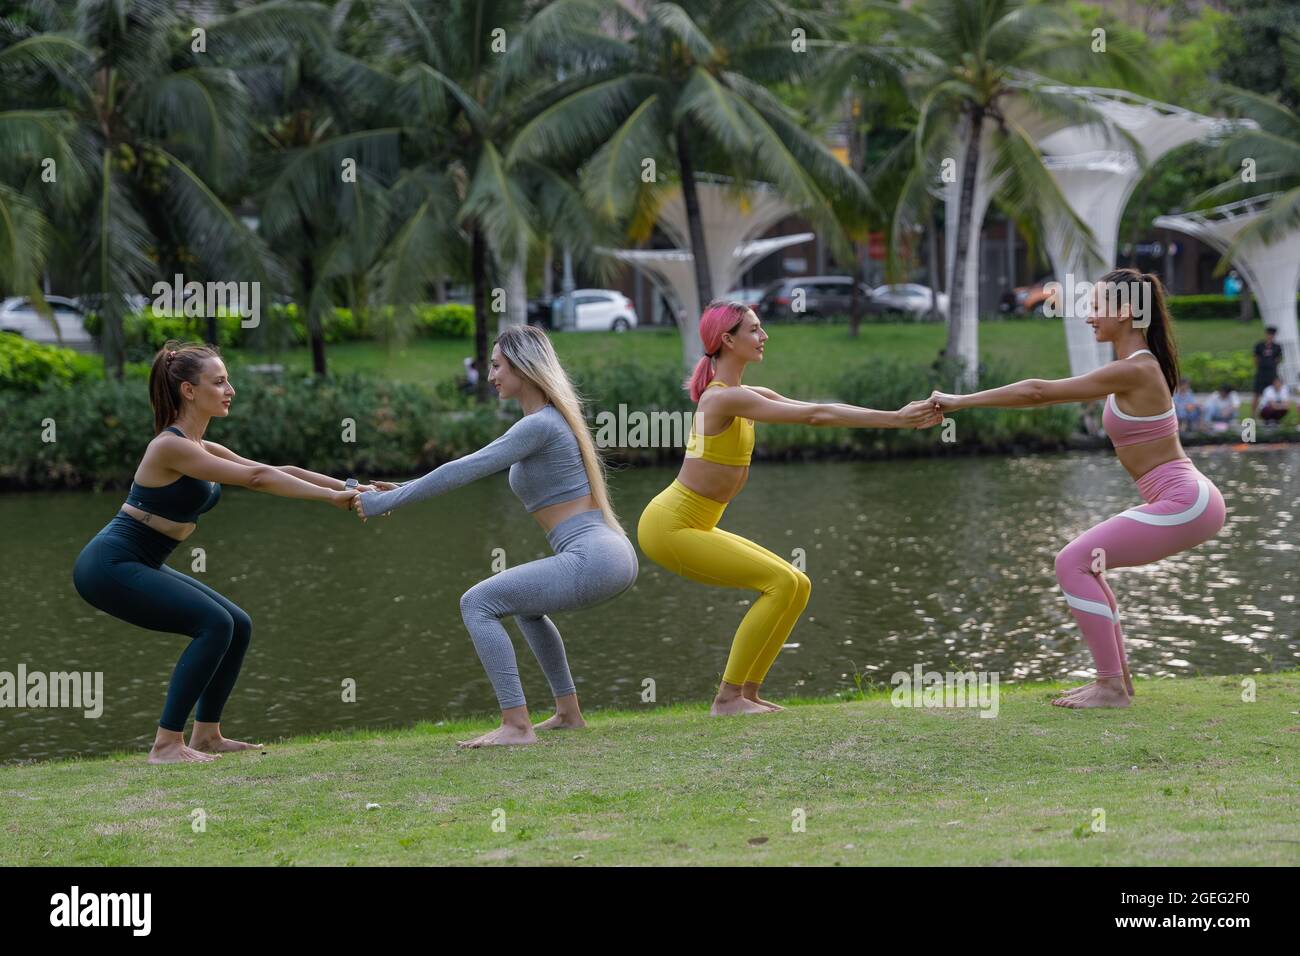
{"x":822,"y":296}
{"x":1025,"y":299}
{"x":596,"y":310}
{"x":19,"y":316}
{"x":539,"y":313}
{"x":749,"y":295}
{"x":908,"y":298}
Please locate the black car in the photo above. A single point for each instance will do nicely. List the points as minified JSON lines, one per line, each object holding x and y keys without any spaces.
{"x":821,"y":296}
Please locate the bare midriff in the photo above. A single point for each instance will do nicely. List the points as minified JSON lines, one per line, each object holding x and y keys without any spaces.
{"x":713,"y":480}
{"x":551,"y":515}
{"x":177,"y":530}
{"x":1140,"y":458}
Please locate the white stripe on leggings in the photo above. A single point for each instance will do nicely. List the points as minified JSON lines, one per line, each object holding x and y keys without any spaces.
{"x":1182,"y":517}
{"x":1092,"y":607}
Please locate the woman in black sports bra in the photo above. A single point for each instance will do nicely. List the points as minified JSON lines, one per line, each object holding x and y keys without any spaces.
{"x":121,"y":570}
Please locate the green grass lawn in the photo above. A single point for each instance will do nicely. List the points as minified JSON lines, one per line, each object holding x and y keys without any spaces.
{"x":1190,"y":774}
{"x":799,"y":355}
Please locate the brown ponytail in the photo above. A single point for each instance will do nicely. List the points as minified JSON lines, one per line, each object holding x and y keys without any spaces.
{"x":1160,"y":332}
{"x":174,"y":363}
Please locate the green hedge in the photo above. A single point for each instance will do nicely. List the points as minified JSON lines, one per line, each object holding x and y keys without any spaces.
{"x":1207,"y":307}
{"x":145,"y":332}
{"x":1208,"y":371}
{"x":102,"y":427}
{"x":404,"y":429}
{"x":27,"y":366}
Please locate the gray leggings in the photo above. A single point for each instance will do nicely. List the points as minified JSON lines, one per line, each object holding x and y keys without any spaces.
{"x":592,"y":563}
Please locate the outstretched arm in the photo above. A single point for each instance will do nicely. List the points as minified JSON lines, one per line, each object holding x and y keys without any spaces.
{"x":1033,"y":392}
{"x":753,"y":403}
{"x":186,"y":457}
{"x":522,"y":439}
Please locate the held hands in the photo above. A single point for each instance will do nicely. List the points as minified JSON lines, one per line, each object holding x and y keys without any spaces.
{"x":945,"y":402}
{"x":359,"y":508}
{"x":344,"y":497}
{"x":920,"y":414}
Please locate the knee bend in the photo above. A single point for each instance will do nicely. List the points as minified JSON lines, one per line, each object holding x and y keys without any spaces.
{"x":242,"y":632}
{"x":790,"y":584}
{"x":216,"y":629}
{"x":1073,"y":559}
{"x":475,"y":605}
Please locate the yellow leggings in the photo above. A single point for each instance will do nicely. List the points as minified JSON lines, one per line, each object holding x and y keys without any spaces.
{"x":678,"y":530}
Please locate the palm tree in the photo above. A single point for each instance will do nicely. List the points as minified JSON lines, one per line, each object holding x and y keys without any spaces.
{"x":39,"y":174}
{"x":1274,"y":146}
{"x":470,"y":73}
{"x":328,"y":160}
{"x":977,"y":85}
{"x":686,"y":85}
{"x":160,"y":135}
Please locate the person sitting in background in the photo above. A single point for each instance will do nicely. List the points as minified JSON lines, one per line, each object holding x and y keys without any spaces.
{"x":1221,"y":408}
{"x":1268,"y":355}
{"x":1274,"y":401}
{"x":468,"y":384}
{"x":1187,"y":407}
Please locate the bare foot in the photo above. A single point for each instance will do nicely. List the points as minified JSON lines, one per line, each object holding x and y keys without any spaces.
{"x":561,"y":723}
{"x":175,"y":751}
{"x":505,"y":734}
{"x":220,"y":745}
{"x":737,"y":705}
{"x":765,"y":703}
{"x":1096,"y":694}
{"x":1128,"y":686}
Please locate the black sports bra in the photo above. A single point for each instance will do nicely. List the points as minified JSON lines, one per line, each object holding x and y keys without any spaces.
{"x":183,"y":500}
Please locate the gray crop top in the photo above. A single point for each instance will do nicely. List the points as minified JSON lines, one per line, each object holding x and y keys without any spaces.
{"x":545,"y":467}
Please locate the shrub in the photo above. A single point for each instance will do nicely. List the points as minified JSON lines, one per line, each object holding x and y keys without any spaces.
{"x":27,"y":366}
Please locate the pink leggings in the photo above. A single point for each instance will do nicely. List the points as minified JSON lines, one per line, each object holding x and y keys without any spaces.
{"x":1183,"y":509}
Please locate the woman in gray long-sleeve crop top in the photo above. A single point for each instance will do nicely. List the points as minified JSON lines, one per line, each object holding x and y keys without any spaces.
{"x":557,"y":473}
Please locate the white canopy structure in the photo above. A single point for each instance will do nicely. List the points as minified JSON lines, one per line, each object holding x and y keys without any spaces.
{"x":964,"y":295}
{"x":731,"y":218}
{"x":1272,"y":270}
{"x":1096,"y":172}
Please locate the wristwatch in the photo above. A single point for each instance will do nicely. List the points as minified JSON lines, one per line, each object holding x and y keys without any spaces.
{"x":349,"y":484}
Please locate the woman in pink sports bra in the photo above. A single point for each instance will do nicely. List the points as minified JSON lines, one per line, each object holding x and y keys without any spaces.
{"x":1182,"y":507}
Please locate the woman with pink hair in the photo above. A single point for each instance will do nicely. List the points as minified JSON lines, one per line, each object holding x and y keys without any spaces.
{"x":678,"y":528}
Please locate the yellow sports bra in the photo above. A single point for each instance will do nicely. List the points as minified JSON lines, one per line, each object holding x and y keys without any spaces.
{"x":731,"y":446}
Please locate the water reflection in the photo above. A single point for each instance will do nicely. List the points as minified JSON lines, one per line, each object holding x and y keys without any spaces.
{"x":945,"y":563}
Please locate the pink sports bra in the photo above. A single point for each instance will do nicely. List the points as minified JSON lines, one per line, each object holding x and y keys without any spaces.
{"x":1126,"y":429}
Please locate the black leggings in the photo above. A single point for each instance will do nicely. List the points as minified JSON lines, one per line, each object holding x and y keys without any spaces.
{"x":121,"y":572}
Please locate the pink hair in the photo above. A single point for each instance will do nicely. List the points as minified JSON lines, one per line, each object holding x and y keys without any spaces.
{"x":720,"y":316}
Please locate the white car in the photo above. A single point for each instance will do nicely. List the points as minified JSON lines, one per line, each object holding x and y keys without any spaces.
{"x":596,"y":310}
{"x":909,"y":297}
{"x":19,"y":315}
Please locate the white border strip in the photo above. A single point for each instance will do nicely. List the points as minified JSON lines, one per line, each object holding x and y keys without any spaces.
{"x":1182,"y":517}
{"x":1092,"y":607}
{"x":1140,"y":418}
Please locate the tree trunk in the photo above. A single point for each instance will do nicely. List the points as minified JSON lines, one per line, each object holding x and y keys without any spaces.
{"x":517,"y":292}
{"x":478,"y":270}
{"x":315,"y":328}
{"x":703,"y":277}
{"x":970,"y":167}
{"x":855,"y":295}
{"x":936,"y":282}
{"x":548,"y":272}
{"x":857,"y":162}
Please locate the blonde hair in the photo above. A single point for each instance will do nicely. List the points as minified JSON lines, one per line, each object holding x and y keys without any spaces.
{"x":530,"y":353}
